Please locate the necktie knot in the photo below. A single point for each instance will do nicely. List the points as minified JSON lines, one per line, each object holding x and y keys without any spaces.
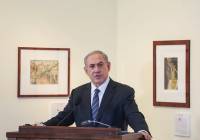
{"x":96,"y":91}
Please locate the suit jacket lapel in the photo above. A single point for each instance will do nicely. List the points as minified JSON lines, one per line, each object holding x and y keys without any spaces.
{"x":107,"y":98}
{"x":86,"y":99}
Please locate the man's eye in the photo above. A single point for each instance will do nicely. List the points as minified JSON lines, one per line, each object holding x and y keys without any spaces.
{"x":100,"y":64}
{"x":91,"y":66}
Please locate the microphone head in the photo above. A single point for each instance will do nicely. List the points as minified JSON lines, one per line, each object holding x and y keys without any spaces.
{"x":87,"y":122}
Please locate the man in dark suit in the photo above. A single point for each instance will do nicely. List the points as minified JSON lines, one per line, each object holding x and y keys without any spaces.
{"x":102,"y":100}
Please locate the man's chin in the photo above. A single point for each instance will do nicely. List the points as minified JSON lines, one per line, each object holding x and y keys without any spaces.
{"x":98,"y":82}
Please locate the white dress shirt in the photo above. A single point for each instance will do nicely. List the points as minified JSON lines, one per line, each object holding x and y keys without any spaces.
{"x":102,"y":89}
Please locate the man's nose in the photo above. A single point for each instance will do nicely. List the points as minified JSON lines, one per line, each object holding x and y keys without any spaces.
{"x":96,"y":68}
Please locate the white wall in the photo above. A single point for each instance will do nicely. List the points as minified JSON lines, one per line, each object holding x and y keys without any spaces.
{"x":80,"y":25}
{"x":139,"y":23}
{"x":131,"y":25}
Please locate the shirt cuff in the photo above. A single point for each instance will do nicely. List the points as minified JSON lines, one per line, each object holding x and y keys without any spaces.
{"x":143,"y":131}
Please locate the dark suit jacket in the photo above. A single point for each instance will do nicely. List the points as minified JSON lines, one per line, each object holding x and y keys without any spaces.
{"x":117,"y":109}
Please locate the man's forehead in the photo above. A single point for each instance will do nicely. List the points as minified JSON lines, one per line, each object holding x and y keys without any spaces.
{"x":95,"y":62}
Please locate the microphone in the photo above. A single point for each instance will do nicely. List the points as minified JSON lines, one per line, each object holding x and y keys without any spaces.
{"x":93,"y":122}
{"x":70,"y":112}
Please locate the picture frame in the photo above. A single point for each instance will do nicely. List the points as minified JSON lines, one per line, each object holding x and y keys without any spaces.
{"x":43,"y":72}
{"x":171,"y":73}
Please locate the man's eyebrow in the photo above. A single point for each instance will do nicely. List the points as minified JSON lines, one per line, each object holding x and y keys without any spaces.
{"x":97,"y":63}
{"x":100,"y":62}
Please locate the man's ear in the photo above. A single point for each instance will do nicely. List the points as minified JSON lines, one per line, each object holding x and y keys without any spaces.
{"x":109,"y":65}
{"x":85,"y":69}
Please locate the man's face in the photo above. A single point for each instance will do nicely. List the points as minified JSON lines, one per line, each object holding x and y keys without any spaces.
{"x":97,"y":68}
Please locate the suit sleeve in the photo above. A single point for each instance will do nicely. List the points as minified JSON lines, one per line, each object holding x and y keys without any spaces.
{"x":134,"y":117}
{"x":65,"y":117}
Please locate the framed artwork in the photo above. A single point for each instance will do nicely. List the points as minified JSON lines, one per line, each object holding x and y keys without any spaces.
{"x":43,"y":72}
{"x":171,"y":73}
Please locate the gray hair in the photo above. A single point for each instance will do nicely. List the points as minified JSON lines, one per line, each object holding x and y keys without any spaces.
{"x":96,"y":52}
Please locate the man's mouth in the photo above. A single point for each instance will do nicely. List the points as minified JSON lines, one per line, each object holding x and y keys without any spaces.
{"x":97,"y":76}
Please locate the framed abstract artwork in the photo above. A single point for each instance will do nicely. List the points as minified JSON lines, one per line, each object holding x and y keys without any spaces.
{"x":171,"y":73}
{"x":43,"y":72}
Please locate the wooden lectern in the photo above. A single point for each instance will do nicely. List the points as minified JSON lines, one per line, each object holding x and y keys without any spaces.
{"x":70,"y":133}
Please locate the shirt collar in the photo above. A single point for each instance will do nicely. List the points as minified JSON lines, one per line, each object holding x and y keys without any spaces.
{"x":102,"y":87}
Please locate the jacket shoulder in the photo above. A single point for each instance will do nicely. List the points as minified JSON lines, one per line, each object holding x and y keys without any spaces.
{"x":81,"y":87}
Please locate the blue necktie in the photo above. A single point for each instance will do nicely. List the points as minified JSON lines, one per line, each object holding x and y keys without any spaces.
{"x":95,"y":104}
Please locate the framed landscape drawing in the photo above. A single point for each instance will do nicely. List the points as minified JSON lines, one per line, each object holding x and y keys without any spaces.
{"x":171,"y":73}
{"x":43,"y":72}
